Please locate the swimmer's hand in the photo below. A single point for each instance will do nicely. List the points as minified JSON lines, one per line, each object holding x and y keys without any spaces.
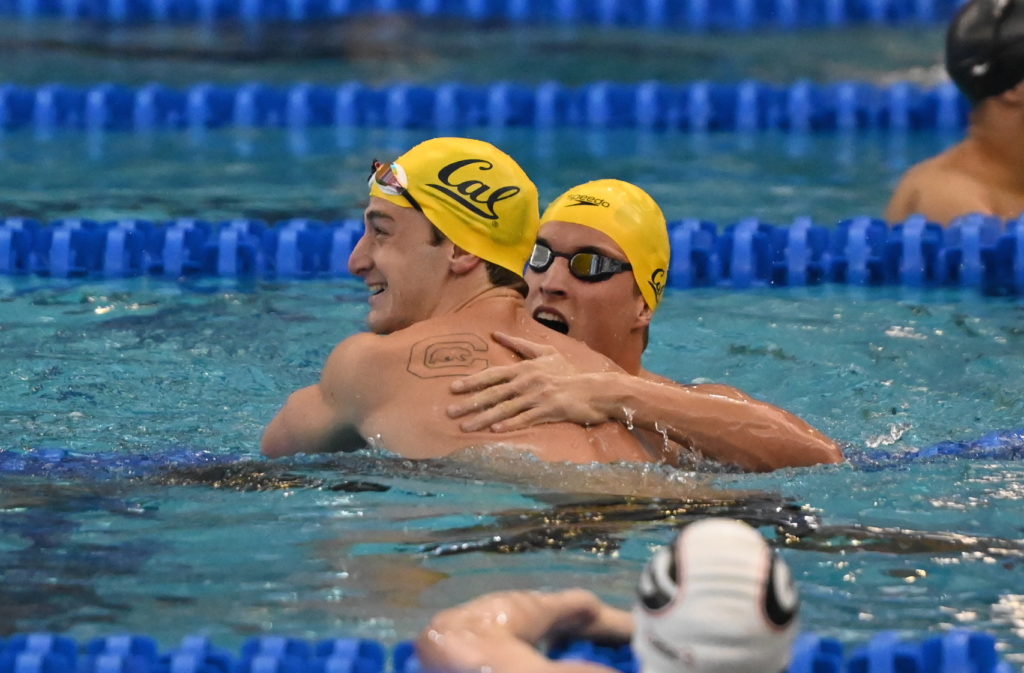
{"x":543,"y":388}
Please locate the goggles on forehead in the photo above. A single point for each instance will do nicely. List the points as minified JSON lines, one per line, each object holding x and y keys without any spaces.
{"x":391,"y":179}
{"x":588,"y":266}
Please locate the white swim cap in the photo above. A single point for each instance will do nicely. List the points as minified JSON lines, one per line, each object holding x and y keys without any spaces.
{"x":717,"y":600}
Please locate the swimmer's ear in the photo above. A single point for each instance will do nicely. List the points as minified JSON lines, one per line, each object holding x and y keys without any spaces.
{"x":461,"y":262}
{"x":644,"y":313}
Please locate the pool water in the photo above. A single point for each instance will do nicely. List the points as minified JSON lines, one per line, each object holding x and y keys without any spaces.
{"x":132,"y":496}
{"x":368,"y":544}
{"x":273,"y":175}
{"x":377,"y":50}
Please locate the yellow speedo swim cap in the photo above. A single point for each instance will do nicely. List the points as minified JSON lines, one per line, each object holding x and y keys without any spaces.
{"x":631,"y":218}
{"x":477,"y":195}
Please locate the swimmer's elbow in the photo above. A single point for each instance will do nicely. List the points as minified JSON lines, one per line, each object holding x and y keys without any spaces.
{"x":807,"y":451}
{"x":821,"y":450}
{"x":833,"y":453}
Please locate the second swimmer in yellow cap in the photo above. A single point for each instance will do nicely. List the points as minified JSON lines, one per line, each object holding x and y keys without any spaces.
{"x":449,"y":228}
{"x":598,"y":273}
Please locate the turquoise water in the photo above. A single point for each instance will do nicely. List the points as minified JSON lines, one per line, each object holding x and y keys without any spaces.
{"x":366,"y":544}
{"x":388,"y":49}
{"x":369,"y":544}
{"x":274,"y":175}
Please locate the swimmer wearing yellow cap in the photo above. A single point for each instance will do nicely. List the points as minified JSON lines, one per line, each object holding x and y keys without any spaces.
{"x":981,"y":173}
{"x":597,"y":274}
{"x":448,"y":230}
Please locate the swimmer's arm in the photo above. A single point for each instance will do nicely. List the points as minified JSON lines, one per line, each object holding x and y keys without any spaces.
{"x":321,"y":417}
{"x":502,"y":631}
{"x":720,"y":422}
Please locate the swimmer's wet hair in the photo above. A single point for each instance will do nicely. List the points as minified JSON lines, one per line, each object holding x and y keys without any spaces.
{"x":985,"y":47}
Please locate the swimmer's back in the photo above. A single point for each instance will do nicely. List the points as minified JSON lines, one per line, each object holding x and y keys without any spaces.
{"x":410,"y":372}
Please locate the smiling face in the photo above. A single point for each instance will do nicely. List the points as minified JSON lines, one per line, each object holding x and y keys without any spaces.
{"x":401,"y":263}
{"x":601,"y":314}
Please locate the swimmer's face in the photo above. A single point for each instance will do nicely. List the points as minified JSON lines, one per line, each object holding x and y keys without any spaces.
{"x":401,"y":265}
{"x":601,"y":313}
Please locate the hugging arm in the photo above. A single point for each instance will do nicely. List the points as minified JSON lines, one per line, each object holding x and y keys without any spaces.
{"x":720,"y":422}
{"x":321,"y":417}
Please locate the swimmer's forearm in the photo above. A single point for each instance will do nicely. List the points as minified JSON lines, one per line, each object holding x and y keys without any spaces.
{"x":720,"y":422}
{"x":501,"y":631}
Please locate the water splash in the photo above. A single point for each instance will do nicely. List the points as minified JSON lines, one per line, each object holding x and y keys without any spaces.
{"x":629,"y":414}
{"x":895,"y":433}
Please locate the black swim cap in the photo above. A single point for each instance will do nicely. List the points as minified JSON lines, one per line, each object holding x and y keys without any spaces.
{"x":985,"y":47}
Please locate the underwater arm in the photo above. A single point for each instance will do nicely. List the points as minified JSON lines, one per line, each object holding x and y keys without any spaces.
{"x":501,"y":632}
{"x":319,"y":418}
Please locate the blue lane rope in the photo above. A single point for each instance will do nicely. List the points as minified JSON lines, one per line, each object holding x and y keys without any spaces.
{"x":998,"y":445}
{"x":59,"y":463}
{"x":700,"y":106}
{"x":954,"y":652}
{"x":980,"y":252}
{"x":681,"y":15}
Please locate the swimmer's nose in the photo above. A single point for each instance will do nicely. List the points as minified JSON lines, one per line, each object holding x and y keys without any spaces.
{"x":554,"y":280}
{"x":359,"y":262}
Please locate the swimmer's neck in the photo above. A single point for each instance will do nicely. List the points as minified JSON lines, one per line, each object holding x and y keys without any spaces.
{"x":996,"y":137}
{"x":489,"y":294}
{"x":462,"y":291}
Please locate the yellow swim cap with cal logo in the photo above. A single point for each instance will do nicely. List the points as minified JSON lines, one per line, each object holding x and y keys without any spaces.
{"x":631,"y":218}
{"x":477,"y":195}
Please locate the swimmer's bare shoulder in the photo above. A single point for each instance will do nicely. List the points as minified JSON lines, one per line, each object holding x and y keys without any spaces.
{"x":940,"y":188}
{"x":378,"y":364}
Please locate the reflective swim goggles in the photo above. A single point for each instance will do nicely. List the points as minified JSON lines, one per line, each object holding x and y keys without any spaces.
{"x":392,"y":180}
{"x":588,"y":266}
